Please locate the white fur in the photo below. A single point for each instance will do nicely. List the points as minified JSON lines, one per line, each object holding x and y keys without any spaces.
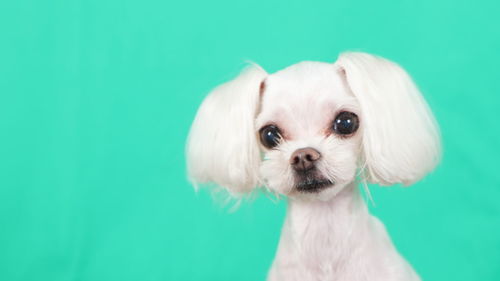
{"x":327,"y":235}
{"x":222,"y":147}
{"x":400,"y":138}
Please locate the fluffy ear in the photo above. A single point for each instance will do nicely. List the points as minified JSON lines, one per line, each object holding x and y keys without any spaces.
{"x":222,"y":145}
{"x":401,"y":140}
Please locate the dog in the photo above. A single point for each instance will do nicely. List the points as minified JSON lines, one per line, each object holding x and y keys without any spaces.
{"x":312,"y":132}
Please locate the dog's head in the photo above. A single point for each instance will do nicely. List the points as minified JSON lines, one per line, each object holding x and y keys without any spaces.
{"x":307,"y":130}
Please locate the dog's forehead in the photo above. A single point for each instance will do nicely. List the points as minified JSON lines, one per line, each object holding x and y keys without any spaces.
{"x":305,"y":94}
{"x":306,"y":81}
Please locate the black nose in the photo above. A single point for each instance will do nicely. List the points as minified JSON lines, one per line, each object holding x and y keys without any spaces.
{"x":303,"y":159}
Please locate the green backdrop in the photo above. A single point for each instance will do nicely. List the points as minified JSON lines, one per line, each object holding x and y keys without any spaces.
{"x":96,"y":99}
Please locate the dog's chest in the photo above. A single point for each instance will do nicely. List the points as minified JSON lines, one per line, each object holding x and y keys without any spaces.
{"x":320,"y":246}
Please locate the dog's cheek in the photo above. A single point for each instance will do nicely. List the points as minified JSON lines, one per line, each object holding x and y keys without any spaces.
{"x":340,"y":165}
{"x":275,"y":174}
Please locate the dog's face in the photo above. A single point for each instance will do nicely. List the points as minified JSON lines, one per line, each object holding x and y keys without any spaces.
{"x":305,"y":131}
{"x":309,"y":131}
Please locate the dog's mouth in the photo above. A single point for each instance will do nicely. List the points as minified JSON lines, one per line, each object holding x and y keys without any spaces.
{"x":312,"y":185}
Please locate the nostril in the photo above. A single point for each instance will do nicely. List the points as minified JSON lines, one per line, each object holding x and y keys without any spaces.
{"x":309,"y":157}
{"x":295,"y":160}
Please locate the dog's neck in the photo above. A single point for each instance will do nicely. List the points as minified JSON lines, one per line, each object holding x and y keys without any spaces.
{"x":336,"y":240}
{"x":325,"y":230}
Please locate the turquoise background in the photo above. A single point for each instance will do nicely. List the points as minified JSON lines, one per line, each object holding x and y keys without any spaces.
{"x":96,"y":99}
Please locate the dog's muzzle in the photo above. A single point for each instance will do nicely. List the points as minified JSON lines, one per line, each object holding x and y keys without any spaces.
{"x":303,"y":161}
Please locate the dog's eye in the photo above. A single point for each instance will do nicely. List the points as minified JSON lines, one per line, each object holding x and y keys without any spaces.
{"x":270,"y":136}
{"x":345,"y":123}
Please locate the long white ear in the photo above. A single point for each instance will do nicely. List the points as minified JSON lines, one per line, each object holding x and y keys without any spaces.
{"x":222,"y":145}
{"x":401,"y":139}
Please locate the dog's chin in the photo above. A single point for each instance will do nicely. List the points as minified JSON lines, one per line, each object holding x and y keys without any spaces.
{"x":322,"y":190}
{"x":311,"y":181}
{"x":313,"y":185}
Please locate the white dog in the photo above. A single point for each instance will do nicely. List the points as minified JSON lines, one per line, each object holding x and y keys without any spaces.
{"x":311,"y":132}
